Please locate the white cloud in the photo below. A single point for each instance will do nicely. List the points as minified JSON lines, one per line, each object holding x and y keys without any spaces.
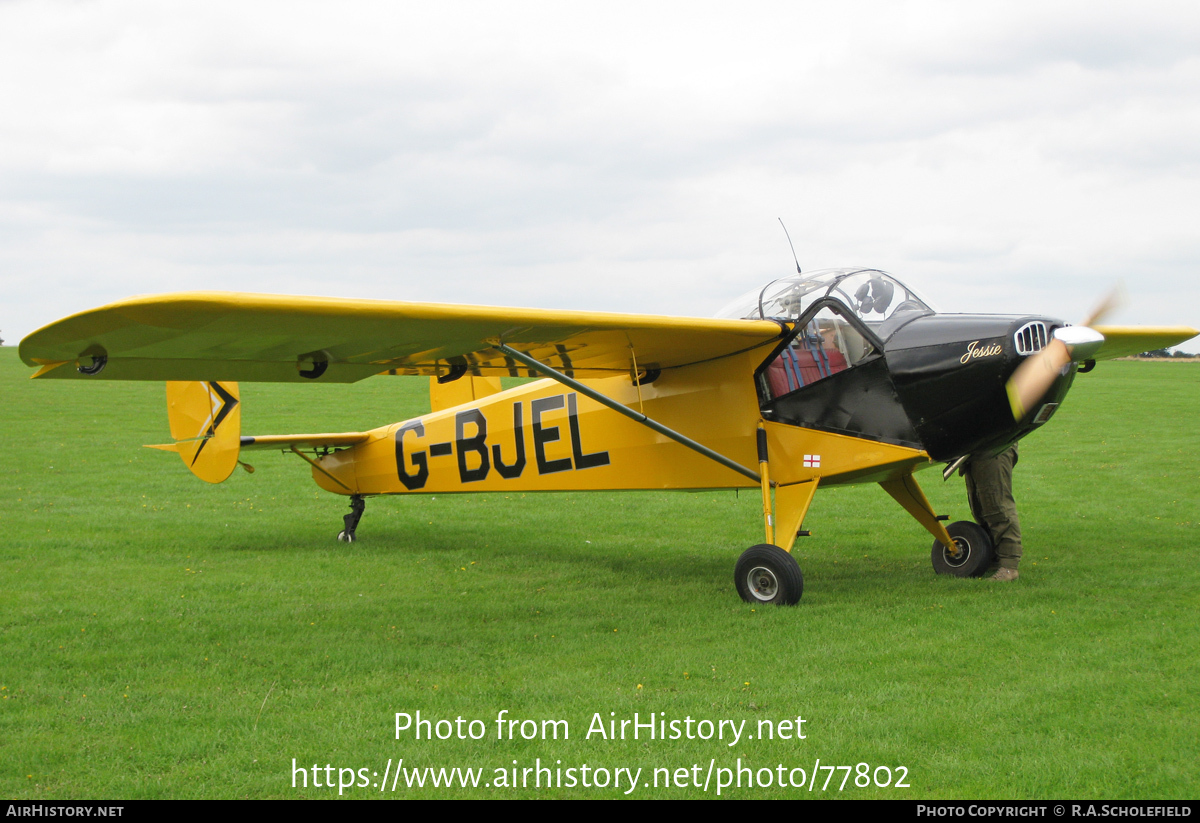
{"x":616,"y":156}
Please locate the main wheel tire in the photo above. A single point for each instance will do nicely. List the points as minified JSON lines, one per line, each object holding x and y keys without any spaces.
{"x":975,"y":551}
{"x":767,"y":574}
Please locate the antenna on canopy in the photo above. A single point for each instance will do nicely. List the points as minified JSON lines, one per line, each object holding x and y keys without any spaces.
{"x":793,"y":248}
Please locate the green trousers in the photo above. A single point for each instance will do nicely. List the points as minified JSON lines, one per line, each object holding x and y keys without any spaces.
{"x":989,"y":490}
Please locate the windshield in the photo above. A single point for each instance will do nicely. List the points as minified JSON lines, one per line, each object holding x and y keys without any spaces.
{"x":870,"y":294}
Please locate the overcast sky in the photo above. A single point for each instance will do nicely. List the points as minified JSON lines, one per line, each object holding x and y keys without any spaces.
{"x":1012,"y":157}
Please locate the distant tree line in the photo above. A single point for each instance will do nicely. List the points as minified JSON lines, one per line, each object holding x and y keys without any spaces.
{"x":1166,"y":353}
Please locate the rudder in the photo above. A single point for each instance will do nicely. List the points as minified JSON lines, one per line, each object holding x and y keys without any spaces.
{"x":206,"y":423}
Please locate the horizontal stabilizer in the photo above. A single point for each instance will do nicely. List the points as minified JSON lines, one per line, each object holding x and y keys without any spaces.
{"x":284,"y":441}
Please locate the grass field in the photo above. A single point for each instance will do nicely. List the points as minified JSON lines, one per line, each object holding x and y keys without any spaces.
{"x":164,"y":638}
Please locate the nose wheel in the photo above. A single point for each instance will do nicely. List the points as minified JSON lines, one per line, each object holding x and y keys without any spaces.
{"x":767,"y":574}
{"x":357,"y":505}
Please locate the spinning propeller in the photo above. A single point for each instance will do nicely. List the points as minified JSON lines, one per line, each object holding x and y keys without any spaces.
{"x":1033,"y":378}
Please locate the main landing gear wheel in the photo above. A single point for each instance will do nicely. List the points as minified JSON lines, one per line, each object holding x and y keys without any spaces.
{"x":357,"y":505}
{"x":767,"y":574}
{"x":974,"y":551}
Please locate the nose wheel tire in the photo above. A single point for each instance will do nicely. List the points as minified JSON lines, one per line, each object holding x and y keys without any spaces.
{"x":974,"y":551}
{"x":767,"y":574}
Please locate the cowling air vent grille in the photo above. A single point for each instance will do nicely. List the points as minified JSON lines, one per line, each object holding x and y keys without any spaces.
{"x":1031,"y":337}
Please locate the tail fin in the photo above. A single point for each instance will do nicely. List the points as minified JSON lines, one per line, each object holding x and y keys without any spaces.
{"x":461,"y":390}
{"x":206,"y":422}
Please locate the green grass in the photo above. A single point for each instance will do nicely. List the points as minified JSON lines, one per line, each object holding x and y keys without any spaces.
{"x":161,"y":637}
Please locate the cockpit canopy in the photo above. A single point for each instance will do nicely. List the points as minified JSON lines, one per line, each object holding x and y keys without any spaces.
{"x":873,"y":296}
{"x":832,"y":360}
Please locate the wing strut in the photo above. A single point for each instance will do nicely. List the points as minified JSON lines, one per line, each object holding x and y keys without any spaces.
{"x":542,"y":368}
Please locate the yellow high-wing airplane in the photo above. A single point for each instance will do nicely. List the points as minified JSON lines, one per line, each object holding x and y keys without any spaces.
{"x":833,"y":377}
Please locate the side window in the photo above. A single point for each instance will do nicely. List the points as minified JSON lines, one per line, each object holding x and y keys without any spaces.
{"x":827,"y":344}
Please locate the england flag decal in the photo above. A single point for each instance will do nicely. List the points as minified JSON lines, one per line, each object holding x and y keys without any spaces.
{"x":812,"y":461}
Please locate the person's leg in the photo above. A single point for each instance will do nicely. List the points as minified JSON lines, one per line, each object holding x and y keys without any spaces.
{"x":989,"y":489}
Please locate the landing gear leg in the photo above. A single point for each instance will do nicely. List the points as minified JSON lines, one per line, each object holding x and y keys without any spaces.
{"x":357,"y":505}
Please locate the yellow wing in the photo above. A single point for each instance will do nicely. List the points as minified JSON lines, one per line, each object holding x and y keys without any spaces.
{"x":1122,"y":341}
{"x":276,"y":338}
